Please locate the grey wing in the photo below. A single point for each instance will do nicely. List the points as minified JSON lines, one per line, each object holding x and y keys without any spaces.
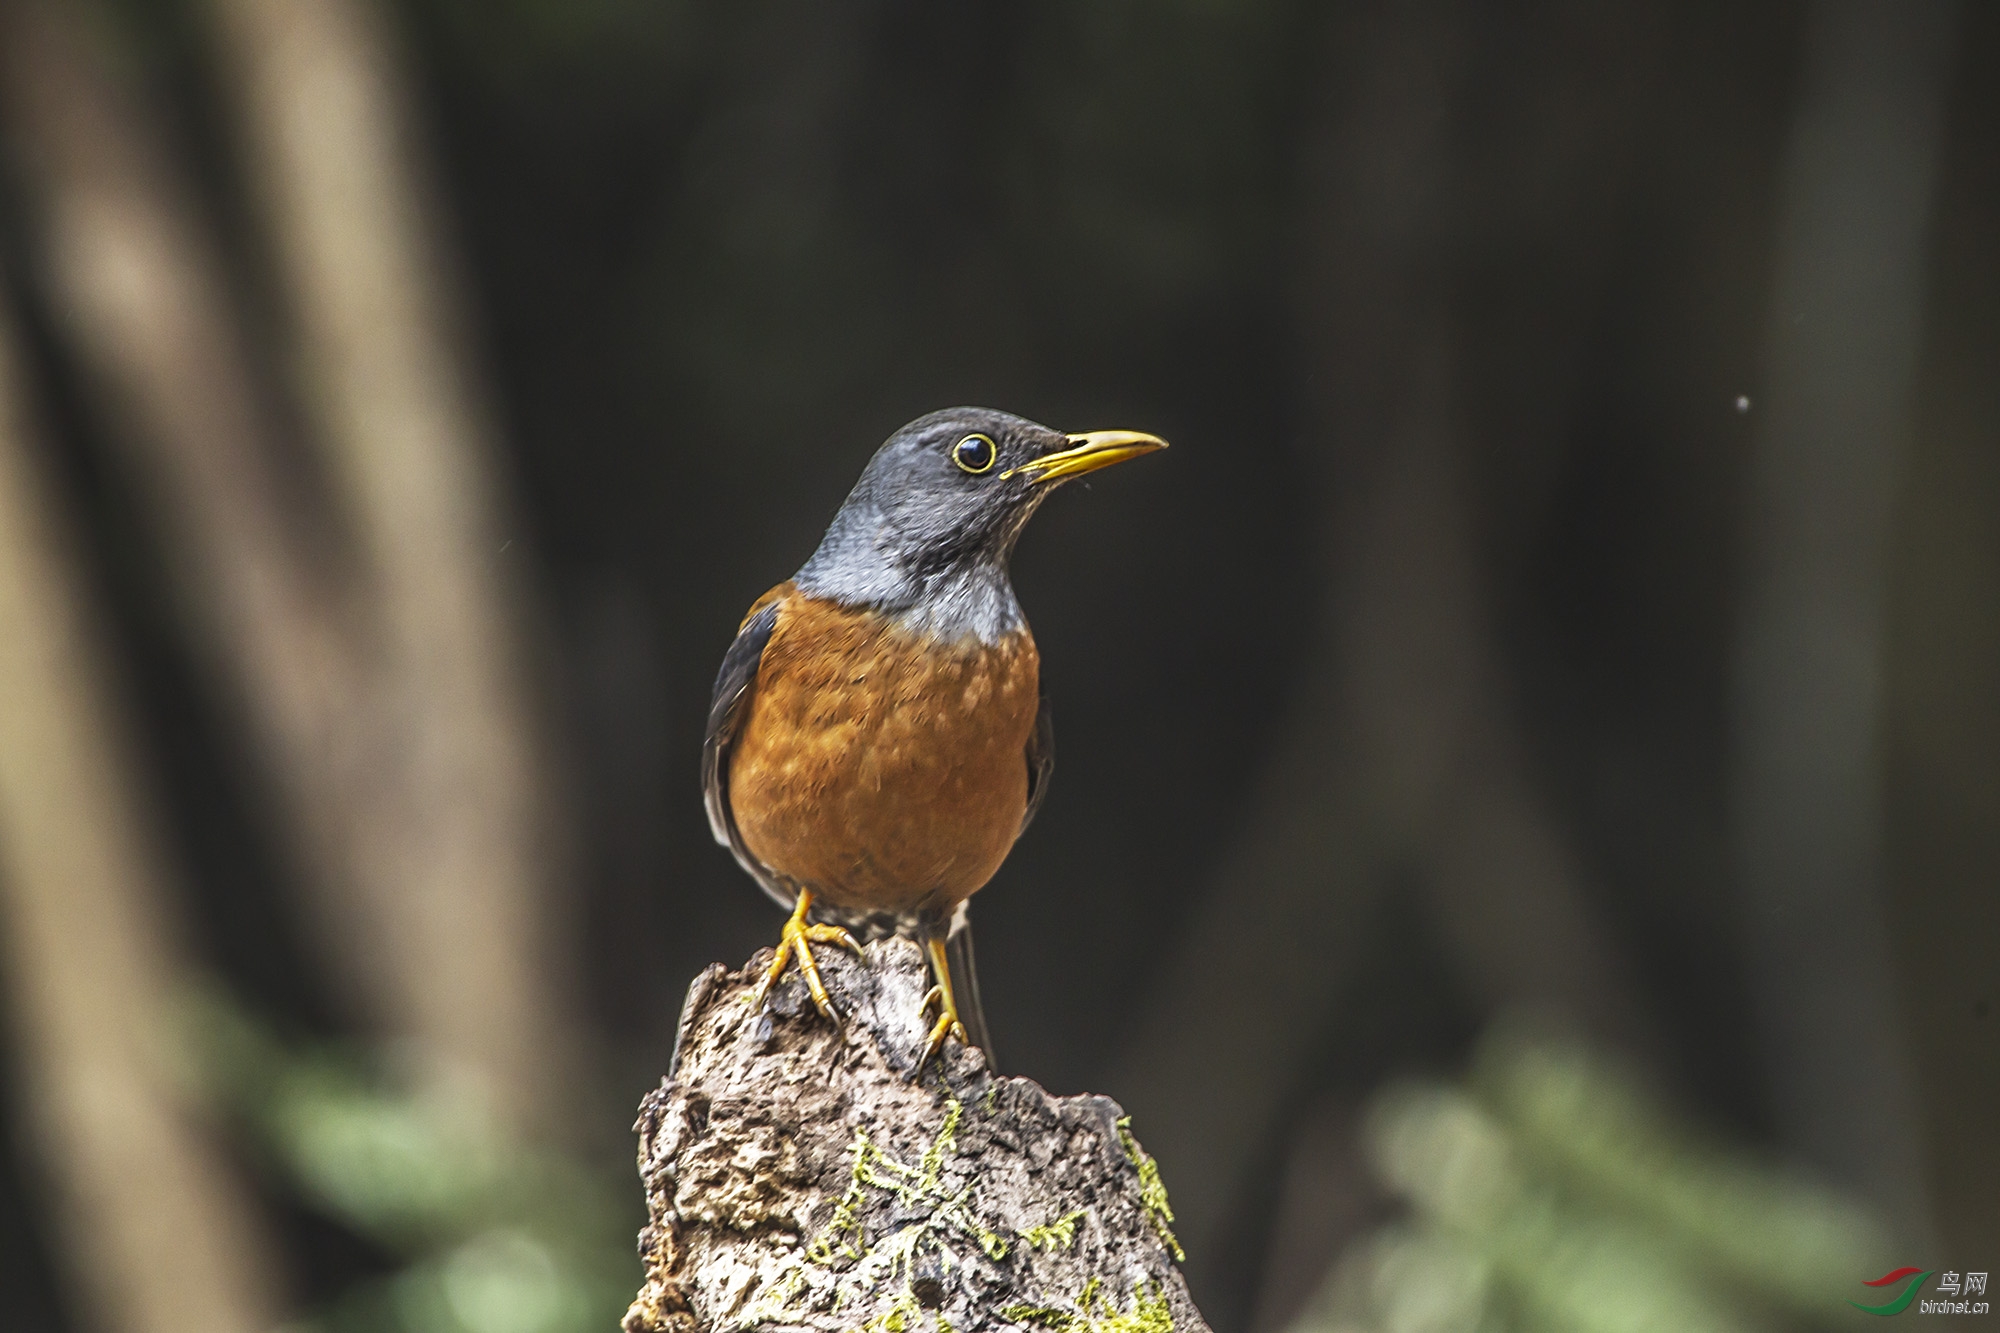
{"x":1041,"y":762}
{"x":726,"y":711}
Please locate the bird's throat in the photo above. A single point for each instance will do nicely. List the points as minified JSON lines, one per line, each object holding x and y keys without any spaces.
{"x":968,"y":599}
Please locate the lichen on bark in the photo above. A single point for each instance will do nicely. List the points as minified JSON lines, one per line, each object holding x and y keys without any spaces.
{"x":802,"y":1175}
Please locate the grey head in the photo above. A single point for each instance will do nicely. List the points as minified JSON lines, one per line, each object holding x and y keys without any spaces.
{"x":926,"y":534}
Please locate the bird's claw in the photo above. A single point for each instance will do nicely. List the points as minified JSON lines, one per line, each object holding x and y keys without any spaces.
{"x":947,"y":1025}
{"x":798,"y":938}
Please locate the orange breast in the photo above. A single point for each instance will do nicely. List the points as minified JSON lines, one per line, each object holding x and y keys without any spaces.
{"x":880,"y":769}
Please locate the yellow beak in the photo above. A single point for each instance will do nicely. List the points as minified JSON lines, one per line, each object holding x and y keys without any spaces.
{"x":1098,"y":449}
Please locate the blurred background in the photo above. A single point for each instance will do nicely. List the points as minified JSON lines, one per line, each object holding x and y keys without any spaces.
{"x":1526,"y":838}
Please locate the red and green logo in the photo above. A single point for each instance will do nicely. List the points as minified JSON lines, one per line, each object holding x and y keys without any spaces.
{"x":1916,"y":1278}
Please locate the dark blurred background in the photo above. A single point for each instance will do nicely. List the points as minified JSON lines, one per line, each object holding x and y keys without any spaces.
{"x":1568,"y":620}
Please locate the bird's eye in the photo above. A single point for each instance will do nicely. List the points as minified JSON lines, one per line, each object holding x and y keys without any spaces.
{"x":974,"y":454}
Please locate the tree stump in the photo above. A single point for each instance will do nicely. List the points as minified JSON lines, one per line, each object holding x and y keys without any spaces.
{"x":799,"y":1177}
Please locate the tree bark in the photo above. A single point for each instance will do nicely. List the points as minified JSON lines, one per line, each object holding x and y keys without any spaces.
{"x":805,"y":1175}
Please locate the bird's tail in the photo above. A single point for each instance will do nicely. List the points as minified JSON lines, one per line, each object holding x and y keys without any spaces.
{"x":965,"y":988}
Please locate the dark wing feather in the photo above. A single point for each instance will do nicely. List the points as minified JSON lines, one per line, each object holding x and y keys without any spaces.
{"x":1041,"y":762}
{"x":965,"y":986}
{"x":727,"y":708}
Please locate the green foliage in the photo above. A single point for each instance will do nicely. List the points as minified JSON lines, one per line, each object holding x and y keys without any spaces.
{"x":498,"y":1237}
{"x":1790,"y":1240}
{"x":1552,"y":1194}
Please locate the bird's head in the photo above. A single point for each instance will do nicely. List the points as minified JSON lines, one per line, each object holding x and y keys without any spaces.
{"x":939,"y":506}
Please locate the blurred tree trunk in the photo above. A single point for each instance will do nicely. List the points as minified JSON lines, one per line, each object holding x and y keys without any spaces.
{"x":1400,"y":751}
{"x":464,"y":849}
{"x":349,"y":594}
{"x":1845,"y":326}
{"x":141,"y":296}
{"x":1941,"y":706}
{"x":159,"y":1237}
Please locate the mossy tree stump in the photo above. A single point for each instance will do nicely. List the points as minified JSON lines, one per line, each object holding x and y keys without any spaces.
{"x":798,"y":1177}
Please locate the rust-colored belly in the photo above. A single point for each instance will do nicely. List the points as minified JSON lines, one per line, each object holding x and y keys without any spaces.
{"x":878,"y":768}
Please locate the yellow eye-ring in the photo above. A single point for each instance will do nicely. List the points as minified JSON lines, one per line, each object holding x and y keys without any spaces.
{"x":974,"y":454}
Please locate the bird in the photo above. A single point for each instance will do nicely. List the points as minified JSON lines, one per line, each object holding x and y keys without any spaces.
{"x":877,"y":738}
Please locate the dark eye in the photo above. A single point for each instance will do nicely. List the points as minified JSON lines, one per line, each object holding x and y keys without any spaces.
{"x":974,"y":454}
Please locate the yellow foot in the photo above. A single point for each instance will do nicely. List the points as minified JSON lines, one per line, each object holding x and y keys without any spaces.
{"x":947,"y":1024}
{"x":798,"y":938}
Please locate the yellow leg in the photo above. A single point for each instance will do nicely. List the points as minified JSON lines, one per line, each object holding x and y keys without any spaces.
{"x":940,"y":995}
{"x":798,"y":938}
